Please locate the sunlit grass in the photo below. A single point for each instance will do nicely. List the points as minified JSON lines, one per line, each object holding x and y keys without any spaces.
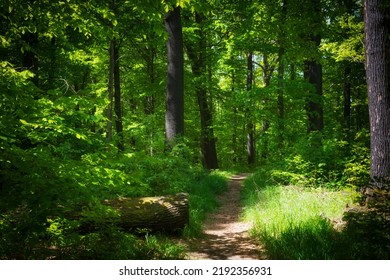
{"x":280,"y":207}
{"x":296,"y":222}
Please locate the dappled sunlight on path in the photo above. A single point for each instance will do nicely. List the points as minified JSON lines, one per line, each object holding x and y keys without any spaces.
{"x":225,"y":235}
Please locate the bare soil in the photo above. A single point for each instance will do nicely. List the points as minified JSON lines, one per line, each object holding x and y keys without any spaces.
{"x":225,"y":234}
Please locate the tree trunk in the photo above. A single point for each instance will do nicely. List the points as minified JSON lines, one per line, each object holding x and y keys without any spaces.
{"x":347,"y":85}
{"x":150,"y":57}
{"x":251,"y":150}
{"x":280,"y":102}
{"x":109,"y":110}
{"x":198,"y":62}
{"x":377,"y":51}
{"x":234,"y":124}
{"x":314,"y":110}
{"x":174,"y":115}
{"x":117,"y":97}
{"x":208,"y":149}
{"x":149,"y":100}
{"x":347,"y":98}
{"x":268,"y":70}
{"x":163,"y":214}
{"x":313,"y":69}
{"x":281,"y":51}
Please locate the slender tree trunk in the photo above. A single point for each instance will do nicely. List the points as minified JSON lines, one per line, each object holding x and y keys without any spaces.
{"x":149,"y":99}
{"x":208,"y":149}
{"x":149,"y":106}
{"x":313,"y":74}
{"x":117,"y":97}
{"x":234,"y":124}
{"x":251,"y":150}
{"x":280,"y":101}
{"x":197,"y":57}
{"x":347,"y":86}
{"x":268,"y":70}
{"x":377,"y":51}
{"x":313,"y":70}
{"x":133,"y":111}
{"x":347,"y":98}
{"x":109,"y":111}
{"x":281,"y":51}
{"x":111,"y":85}
{"x":174,"y":115}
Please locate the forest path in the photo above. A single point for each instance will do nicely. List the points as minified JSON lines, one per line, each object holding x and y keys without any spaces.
{"x":225,"y":235}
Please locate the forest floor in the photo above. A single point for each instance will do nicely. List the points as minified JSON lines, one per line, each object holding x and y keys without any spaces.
{"x":225,"y":235}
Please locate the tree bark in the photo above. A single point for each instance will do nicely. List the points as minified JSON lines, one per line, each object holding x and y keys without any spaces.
{"x":268,"y":70}
{"x":280,"y":101}
{"x":174,"y":115}
{"x":197,"y":57}
{"x":149,"y":100}
{"x":150,"y":56}
{"x":313,"y":74}
{"x":377,"y":52}
{"x":347,"y":98}
{"x":281,"y":51}
{"x":168,"y":213}
{"x":251,"y":148}
{"x":234,"y":124}
{"x":117,"y":97}
{"x":109,"y":110}
{"x":313,"y":69}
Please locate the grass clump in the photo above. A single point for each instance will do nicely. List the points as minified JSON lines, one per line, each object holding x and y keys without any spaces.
{"x":202,"y":199}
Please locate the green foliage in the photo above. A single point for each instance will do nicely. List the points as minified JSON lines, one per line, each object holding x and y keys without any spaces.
{"x":56,"y":164}
{"x":41,"y":193}
{"x":335,"y":164}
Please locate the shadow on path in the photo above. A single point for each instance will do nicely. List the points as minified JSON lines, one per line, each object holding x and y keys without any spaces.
{"x":225,"y":235}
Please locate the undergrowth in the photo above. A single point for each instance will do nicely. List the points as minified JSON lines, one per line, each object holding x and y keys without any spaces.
{"x":39,"y":189}
{"x":305,"y":222}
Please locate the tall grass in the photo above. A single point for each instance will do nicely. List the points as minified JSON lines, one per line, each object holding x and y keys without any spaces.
{"x":203,"y":200}
{"x":296,"y":222}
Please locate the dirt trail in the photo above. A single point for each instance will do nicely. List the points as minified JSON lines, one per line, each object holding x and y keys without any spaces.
{"x":225,"y":236}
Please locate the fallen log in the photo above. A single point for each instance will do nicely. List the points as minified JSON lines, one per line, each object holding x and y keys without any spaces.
{"x":163,"y":213}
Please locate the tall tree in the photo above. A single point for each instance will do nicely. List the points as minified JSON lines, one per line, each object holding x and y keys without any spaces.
{"x":281,"y":52}
{"x":268,"y":68}
{"x":347,"y":85}
{"x":117,"y":96}
{"x":197,"y":53}
{"x":377,"y":51}
{"x":313,"y":69}
{"x":117,"y":85}
{"x":250,"y":125}
{"x":174,"y":115}
{"x":109,"y":110}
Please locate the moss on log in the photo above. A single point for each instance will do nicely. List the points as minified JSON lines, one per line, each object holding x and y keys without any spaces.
{"x":163,"y":213}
